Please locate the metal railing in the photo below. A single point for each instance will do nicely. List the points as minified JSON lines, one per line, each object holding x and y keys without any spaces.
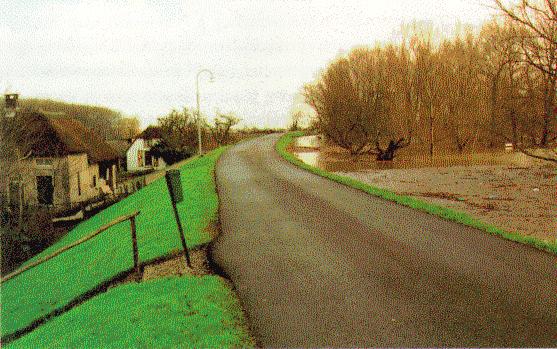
{"x":130,"y":217}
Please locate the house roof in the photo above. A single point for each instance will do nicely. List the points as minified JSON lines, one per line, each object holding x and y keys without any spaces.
{"x":49,"y":134}
{"x":80,"y":139}
{"x":121,"y":146}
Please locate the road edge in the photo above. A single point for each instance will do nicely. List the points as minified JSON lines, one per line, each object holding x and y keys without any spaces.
{"x":440,"y":211}
{"x":214,"y":266}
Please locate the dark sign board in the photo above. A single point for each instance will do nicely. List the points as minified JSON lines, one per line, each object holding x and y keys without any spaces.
{"x":174,"y":185}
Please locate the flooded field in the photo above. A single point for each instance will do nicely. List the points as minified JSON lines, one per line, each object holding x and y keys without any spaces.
{"x":333,"y":159}
{"x":506,"y":189}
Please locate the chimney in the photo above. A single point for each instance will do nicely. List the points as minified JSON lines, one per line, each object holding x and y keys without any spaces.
{"x":10,"y":105}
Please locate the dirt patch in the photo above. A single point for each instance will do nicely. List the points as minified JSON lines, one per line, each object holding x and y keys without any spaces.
{"x":177,"y":266}
{"x":213,"y":229}
{"x":520,"y":199}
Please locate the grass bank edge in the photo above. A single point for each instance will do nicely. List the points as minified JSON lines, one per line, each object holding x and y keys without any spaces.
{"x":186,"y":311}
{"x":229,"y":329}
{"x":40,"y":305}
{"x":409,"y":201}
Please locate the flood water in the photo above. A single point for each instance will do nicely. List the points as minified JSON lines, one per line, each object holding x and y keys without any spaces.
{"x":307,"y":150}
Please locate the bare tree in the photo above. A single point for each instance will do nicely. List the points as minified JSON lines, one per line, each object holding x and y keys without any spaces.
{"x":127,"y":127}
{"x":22,"y":137}
{"x":535,"y":27}
{"x":464,"y":92}
{"x":352,"y":100}
{"x":179,"y":130}
{"x":497,"y":51}
{"x":222,"y":125}
{"x":19,"y":135}
{"x":428,"y":84}
{"x":297,"y":118}
{"x":462,"y":112}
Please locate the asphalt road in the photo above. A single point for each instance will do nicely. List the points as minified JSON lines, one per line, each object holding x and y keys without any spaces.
{"x":316,"y":263}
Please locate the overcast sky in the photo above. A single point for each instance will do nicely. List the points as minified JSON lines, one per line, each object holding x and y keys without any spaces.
{"x":141,"y":57}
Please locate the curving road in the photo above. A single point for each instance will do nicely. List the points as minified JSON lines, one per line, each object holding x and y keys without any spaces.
{"x":316,"y":263}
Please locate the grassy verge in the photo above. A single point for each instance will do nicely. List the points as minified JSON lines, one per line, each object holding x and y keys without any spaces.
{"x":57,"y":283}
{"x":190,"y":311}
{"x":412,"y":202}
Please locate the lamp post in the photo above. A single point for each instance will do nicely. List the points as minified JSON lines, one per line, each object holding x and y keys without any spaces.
{"x":198,"y":110}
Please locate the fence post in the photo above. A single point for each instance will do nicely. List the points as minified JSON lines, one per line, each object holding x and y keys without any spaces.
{"x":135,"y":250}
{"x":79,"y":242}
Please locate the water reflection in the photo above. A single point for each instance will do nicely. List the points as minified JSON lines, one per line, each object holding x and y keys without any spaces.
{"x":334,"y":161}
{"x":311,"y":157}
{"x":307,"y":142}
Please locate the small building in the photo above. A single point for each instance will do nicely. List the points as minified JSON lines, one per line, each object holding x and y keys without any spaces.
{"x":139,"y":156}
{"x":56,"y":162}
{"x":121,"y":147}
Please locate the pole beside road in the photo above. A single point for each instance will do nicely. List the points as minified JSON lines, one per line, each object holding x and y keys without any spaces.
{"x":200,"y":150}
{"x":174,"y":184}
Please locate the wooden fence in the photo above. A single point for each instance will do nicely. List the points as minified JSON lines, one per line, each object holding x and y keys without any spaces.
{"x":130,"y":217}
{"x":130,"y":186}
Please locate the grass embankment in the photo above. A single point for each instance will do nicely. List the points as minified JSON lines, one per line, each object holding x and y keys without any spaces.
{"x":409,"y":201}
{"x":199,"y":312}
{"x":51,"y":286}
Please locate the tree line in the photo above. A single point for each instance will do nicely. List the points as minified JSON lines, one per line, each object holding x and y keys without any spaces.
{"x":107,"y":123}
{"x":179,"y":138}
{"x":476,"y":90}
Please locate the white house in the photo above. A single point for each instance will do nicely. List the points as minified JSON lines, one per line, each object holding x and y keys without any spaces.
{"x":139,"y":157}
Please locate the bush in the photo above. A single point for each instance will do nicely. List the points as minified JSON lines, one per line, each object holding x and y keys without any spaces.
{"x":171,"y":155}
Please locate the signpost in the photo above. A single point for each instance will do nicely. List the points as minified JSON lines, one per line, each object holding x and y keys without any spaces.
{"x":174,"y":184}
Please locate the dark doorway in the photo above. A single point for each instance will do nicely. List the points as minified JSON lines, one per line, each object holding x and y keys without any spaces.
{"x":148,"y":158}
{"x":45,"y":190}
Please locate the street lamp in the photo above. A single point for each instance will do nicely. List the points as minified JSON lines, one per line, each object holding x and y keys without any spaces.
{"x":198,"y":110}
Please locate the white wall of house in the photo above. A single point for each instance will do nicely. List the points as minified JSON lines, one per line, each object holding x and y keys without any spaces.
{"x":136,"y":156}
{"x":84,"y":179}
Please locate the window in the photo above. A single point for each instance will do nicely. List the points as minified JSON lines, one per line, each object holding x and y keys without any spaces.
{"x":44,"y":162}
{"x":45,"y":190}
{"x":94,"y":182}
{"x":78,"y":184}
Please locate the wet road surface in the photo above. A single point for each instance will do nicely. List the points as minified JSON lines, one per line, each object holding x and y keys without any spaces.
{"x":316,"y":263}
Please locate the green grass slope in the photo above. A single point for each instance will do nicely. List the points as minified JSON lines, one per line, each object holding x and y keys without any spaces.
{"x":52,"y":285}
{"x":444,"y":212}
{"x":189,"y":311}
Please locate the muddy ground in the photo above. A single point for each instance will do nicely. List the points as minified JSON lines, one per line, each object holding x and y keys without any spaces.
{"x":517,"y":196}
{"x":520,"y":199}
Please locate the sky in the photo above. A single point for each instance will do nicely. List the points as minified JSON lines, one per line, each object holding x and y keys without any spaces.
{"x":142,"y":57}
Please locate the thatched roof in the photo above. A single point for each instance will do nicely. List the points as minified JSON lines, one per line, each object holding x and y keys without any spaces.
{"x":49,"y":134}
{"x":120,"y":146}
